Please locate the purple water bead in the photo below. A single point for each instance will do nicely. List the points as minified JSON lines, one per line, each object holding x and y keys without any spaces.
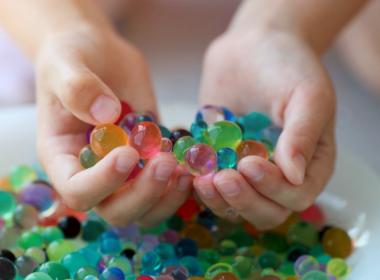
{"x":38,"y":194}
{"x":201,"y":160}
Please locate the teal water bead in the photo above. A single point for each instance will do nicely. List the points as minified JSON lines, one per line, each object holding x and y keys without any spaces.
{"x":165,"y":251}
{"x":92,"y":229}
{"x":269,"y":259}
{"x":227,"y":158}
{"x":55,"y":270}
{"x":74,"y":261}
{"x":253,"y":123}
{"x":165,"y":132}
{"x":38,"y":276}
{"x":192,"y":265}
{"x":84,"y":272}
{"x":37,"y":254}
{"x":303,"y":233}
{"x":217,"y":268}
{"x":60,"y":248}
{"x":199,"y":131}
{"x":110,"y":246}
{"x":305,"y":264}
{"x":181,"y":146}
{"x":274,"y":242}
{"x":338,"y":268}
{"x":91,"y":254}
{"x":122,"y":263}
{"x":87,"y":157}
{"x":50,"y":234}
{"x":30,"y":239}
{"x":152,"y":262}
{"x":7,"y":202}
{"x":91,"y":277}
{"x":224,"y":134}
{"x":315,"y":275}
{"x":21,"y":175}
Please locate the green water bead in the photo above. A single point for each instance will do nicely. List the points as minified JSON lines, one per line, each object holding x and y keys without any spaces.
{"x":38,"y":276}
{"x":274,"y":242}
{"x":224,"y":134}
{"x":209,"y":255}
{"x":30,"y":239}
{"x":181,"y":146}
{"x":37,"y":254}
{"x":87,"y":157}
{"x":227,"y":247}
{"x":338,"y":268}
{"x":199,"y":131}
{"x":92,"y":229}
{"x":122,"y":263}
{"x":217,"y":268}
{"x":55,"y":270}
{"x":226,"y":158}
{"x":7,"y":202}
{"x":83,"y":272}
{"x":240,"y":237}
{"x":50,"y":234}
{"x":287,"y":268}
{"x":269,"y":259}
{"x":60,"y":248}
{"x":314,"y":275}
{"x":303,"y":233}
{"x":242,"y":266}
{"x":21,"y":175}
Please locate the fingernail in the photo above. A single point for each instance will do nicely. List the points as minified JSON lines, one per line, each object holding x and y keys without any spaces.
{"x":164,"y":171}
{"x":254,"y":172}
{"x":104,"y":109}
{"x":205,"y":187}
{"x":228,"y":187}
{"x":300,"y":166}
{"x":123,"y":163}
{"x":184,"y":183}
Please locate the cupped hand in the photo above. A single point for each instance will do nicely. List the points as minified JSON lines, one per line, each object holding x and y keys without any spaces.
{"x":276,"y":72}
{"x":81,"y":78}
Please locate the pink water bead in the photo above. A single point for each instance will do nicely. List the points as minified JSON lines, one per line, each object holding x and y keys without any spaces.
{"x":200,"y":160}
{"x":146,"y":137}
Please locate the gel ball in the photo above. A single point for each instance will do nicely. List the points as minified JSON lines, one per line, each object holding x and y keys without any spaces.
{"x":145,"y":137}
{"x":211,"y":114}
{"x":338,"y":268}
{"x":7,"y":202}
{"x":252,"y":148}
{"x":181,"y":146}
{"x":224,"y":134}
{"x":20,"y":176}
{"x":125,"y":110}
{"x":87,"y":157}
{"x":200,"y":160}
{"x":106,"y":137}
{"x":178,"y":133}
{"x":337,"y":243}
{"x":305,"y":264}
{"x":38,"y":194}
{"x":166,"y":145}
{"x":227,"y":158}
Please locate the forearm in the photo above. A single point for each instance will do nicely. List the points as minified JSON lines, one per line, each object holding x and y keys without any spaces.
{"x":31,"y":22}
{"x":318,"y":21}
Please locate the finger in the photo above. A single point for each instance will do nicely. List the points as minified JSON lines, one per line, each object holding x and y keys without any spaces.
{"x":209,"y":195}
{"x":269,"y":181}
{"x":82,"y":189}
{"x":141,"y":194}
{"x":306,"y":117}
{"x":178,"y":191}
{"x":252,"y":206}
{"x":82,"y":92}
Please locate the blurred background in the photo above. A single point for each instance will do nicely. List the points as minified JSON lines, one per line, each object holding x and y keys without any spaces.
{"x":175,"y":51}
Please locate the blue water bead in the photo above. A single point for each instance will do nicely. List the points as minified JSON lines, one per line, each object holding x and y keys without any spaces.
{"x":39,"y":194}
{"x":199,"y":131}
{"x":112,"y":273}
{"x":108,"y":235}
{"x":122,"y":263}
{"x":186,"y":247}
{"x":152,"y":262}
{"x":192,"y":265}
{"x":74,"y":261}
{"x":110,"y":246}
{"x":165,"y":251}
{"x":227,"y":158}
{"x":211,"y":114}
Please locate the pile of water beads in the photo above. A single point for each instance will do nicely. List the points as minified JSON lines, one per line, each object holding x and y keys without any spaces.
{"x":216,"y":140}
{"x":41,"y":239}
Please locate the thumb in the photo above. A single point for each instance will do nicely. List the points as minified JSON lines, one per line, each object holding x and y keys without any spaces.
{"x":305,"y":118}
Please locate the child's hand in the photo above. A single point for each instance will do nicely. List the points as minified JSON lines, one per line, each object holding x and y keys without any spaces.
{"x":81,"y":76}
{"x":278,"y":73}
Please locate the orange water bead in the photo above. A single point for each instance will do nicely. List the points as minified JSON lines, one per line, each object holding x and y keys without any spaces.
{"x":4,"y":184}
{"x":145,"y":137}
{"x":252,"y":148}
{"x":225,"y":276}
{"x":199,"y":234}
{"x":106,"y":137}
{"x":337,"y":243}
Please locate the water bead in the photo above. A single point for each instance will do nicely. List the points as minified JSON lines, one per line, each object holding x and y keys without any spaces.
{"x":200,"y":160}
{"x":122,"y":263}
{"x":4,"y":253}
{"x":7,"y":202}
{"x":125,"y":110}
{"x":269,"y":259}
{"x":252,"y":148}
{"x":110,"y":246}
{"x":25,"y":216}
{"x":145,"y":137}
{"x":38,"y":276}
{"x":152,"y":262}
{"x":25,"y":265}
{"x":199,"y":131}
{"x":211,"y":114}
{"x":39,"y":194}
{"x":253,"y":123}
{"x":106,"y":137}
{"x":199,"y":234}
{"x":8,"y":270}
{"x":84,"y":272}
{"x":55,"y":270}
{"x":192,"y":265}
{"x":224,"y":134}
{"x":9,"y":237}
{"x":91,"y":230}
{"x":50,"y":234}
{"x":37,"y":254}
{"x":87,"y":157}
{"x":225,"y":276}
{"x":74,"y":261}
{"x":128,"y":122}
{"x":305,"y":264}
{"x":178,"y":133}
{"x":146,"y":117}
{"x":20,"y":176}
{"x":181,"y":146}
{"x":60,"y":248}
{"x":189,"y":209}
{"x":315,"y":275}
{"x":227,"y":158}
{"x":113,"y":273}
{"x":274,"y":241}
{"x":30,"y":239}
{"x":216,"y":269}
{"x":166,"y":145}
{"x":227,"y":247}
{"x":337,"y":243}
{"x":313,"y":215}
{"x":303,"y":233}
{"x":338,"y":268}
{"x":165,"y":132}
{"x":70,"y":226}
{"x":186,"y":247}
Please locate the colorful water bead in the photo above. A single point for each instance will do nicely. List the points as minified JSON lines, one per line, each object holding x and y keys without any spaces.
{"x":125,"y":110}
{"x":106,"y":137}
{"x":252,"y":148}
{"x":70,"y":226}
{"x":199,"y":131}
{"x":212,"y":114}
{"x":337,"y":243}
{"x":38,"y":276}
{"x":21,"y":175}
{"x":145,"y":137}
{"x":181,"y":146}
{"x":337,"y":267}
{"x":8,"y":270}
{"x":178,"y":133}
{"x":39,"y":194}
{"x":227,"y":158}
{"x":315,"y":275}
{"x":113,"y":273}
{"x":25,"y":216}
{"x":253,"y":123}
{"x":55,"y":270}
{"x":87,"y":157}
{"x":25,"y":265}
{"x":224,"y":134}
{"x":305,"y":264}
{"x":166,"y":145}
{"x":225,"y":276}
{"x":303,"y":233}
{"x":200,"y":160}
{"x":7,"y":202}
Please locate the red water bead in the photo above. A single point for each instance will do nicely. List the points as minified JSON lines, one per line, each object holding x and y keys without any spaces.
{"x":252,"y":148}
{"x":314,"y":215}
{"x":144,"y":277}
{"x":136,"y":171}
{"x":189,"y":209}
{"x":145,"y":137}
{"x":125,"y":110}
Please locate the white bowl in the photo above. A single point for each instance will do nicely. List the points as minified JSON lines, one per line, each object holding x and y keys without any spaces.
{"x":350,"y":200}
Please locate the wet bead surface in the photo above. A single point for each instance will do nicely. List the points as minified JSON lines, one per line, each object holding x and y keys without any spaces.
{"x":145,"y":137}
{"x":224,"y":134}
{"x":211,"y":114}
{"x":178,"y":133}
{"x":7,"y":269}
{"x":201,"y":160}
{"x":181,"y":146}
{"x":337,"y":243}
{"x":87,"y":157}
{"x":252,"y":148}
{"x":106,"y":137}
{"x":227,"y":158}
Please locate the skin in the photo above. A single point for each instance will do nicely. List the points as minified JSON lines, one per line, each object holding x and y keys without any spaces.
{"x":269,"y":59}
